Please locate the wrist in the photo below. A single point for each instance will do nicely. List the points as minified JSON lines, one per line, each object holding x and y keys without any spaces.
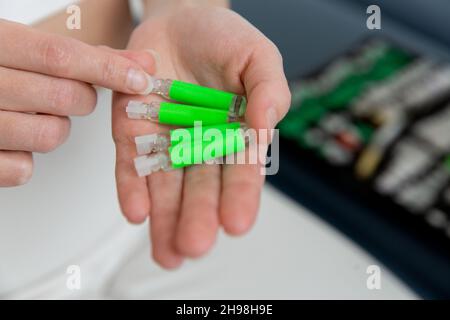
{"x":153,"y":7}
{"x":104,"y":22}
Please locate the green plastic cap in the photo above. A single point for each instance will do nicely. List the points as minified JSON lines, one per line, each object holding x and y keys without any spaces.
{"x":197,"y":95}
{"x":185,"y":115}
{"x":198,"y":151}
{"x":200,"y":132}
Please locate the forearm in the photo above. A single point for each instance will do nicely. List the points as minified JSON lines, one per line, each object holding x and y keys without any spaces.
{"x":103,"y":22}
{"x":153,"y":6}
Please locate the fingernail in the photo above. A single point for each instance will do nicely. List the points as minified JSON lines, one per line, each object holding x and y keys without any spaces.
{"x":272,"y":118}
{"x":156,"y":57}
{"x":139,"y":82}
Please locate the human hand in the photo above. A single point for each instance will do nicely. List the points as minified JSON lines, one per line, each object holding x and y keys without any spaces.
{"x":214,"y":47}
{"x":45,"y":78}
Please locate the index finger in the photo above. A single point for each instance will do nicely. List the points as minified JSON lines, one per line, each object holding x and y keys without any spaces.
{"x":32,"y":50}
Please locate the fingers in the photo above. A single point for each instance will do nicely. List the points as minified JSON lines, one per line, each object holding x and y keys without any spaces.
{"x":160,"y":197}
{"x":28,"y":49}
{"x":147,"y":59}
{"x":268,"y":101}
{"x":199,"y":220}
{"x":165,"y":191}
{"x":132,"y":190}
{"x":239,"y":201}
{"x":32,"y":132}
{"x":33,"y":92}
{"x":16,"y":168}
{"x":266,"y":86}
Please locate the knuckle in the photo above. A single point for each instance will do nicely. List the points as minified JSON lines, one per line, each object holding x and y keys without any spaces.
{"x":52,"y":133}
{"x":119,"y":137}
{"x":286,"y":99}
{"x":277,"y":52}
{"x":23,"y":171}
{"x":273,"y":47}
{"x":55,"y":54}
{"x":63,"y":98}
{"x":269,"y":49}
{"x":109,"y":69}
{"x":285,"y":102}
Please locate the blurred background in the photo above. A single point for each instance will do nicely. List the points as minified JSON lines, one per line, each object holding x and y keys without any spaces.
{"x":363,"y":175}
{"x":366,"y":143}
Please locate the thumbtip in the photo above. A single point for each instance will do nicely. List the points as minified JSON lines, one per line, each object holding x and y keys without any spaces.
{"x":150,"y":85}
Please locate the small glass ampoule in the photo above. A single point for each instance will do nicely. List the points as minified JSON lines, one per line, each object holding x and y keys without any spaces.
{"x":196,"y":95}
{"x":177,"y":114}
{"x":161,"y":151}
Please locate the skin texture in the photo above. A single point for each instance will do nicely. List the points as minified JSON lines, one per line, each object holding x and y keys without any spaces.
{"x":44,"y":79}
{"x":215,"y":47}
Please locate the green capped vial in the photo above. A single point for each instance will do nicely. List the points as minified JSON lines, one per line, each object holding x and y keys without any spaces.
{"x":170,"y":156}
{"x":194,"y":94}
{"x":177,"y":114}
{"x":157,"y":142}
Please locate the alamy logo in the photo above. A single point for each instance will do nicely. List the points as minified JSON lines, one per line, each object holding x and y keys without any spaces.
{"x":73,"y":21}
{"x":73,"y":281}
{"x":228,"y":142}
{"x":374,"y":20}
{"x":374,"y":279}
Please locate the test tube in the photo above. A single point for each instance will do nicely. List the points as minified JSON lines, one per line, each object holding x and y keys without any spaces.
{"x":177,"y":114}
{"x":180,"y":154}
{"x":157,"y":142}
{"x":194,"y":94}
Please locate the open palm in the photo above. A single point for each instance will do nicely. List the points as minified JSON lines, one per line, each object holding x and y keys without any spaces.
{"x":214,"y":47}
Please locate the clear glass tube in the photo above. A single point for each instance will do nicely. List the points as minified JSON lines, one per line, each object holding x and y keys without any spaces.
{"x":142,"y":110}
{"x":161,"y":86}
{"x":152,"y":143}
{"x":147,"y":164}
{"x":153,"y":151}
{"x":176,"y":114}
{"x":193,"y":94}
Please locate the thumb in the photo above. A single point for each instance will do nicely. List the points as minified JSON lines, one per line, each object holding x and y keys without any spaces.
{"x":147,"y":59}
{"x":69,"y":58}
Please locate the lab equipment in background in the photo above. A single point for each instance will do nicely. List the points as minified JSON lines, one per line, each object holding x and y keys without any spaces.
{"x":366,"y":145}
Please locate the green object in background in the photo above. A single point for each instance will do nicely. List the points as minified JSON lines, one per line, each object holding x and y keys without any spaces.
{"x":447,"y":163}
{"x":312,"y":107}
{"x":364,"y":131}
{"x":197,"y":95}
{"x":184,"y":115}
{"x":199,"y":151}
